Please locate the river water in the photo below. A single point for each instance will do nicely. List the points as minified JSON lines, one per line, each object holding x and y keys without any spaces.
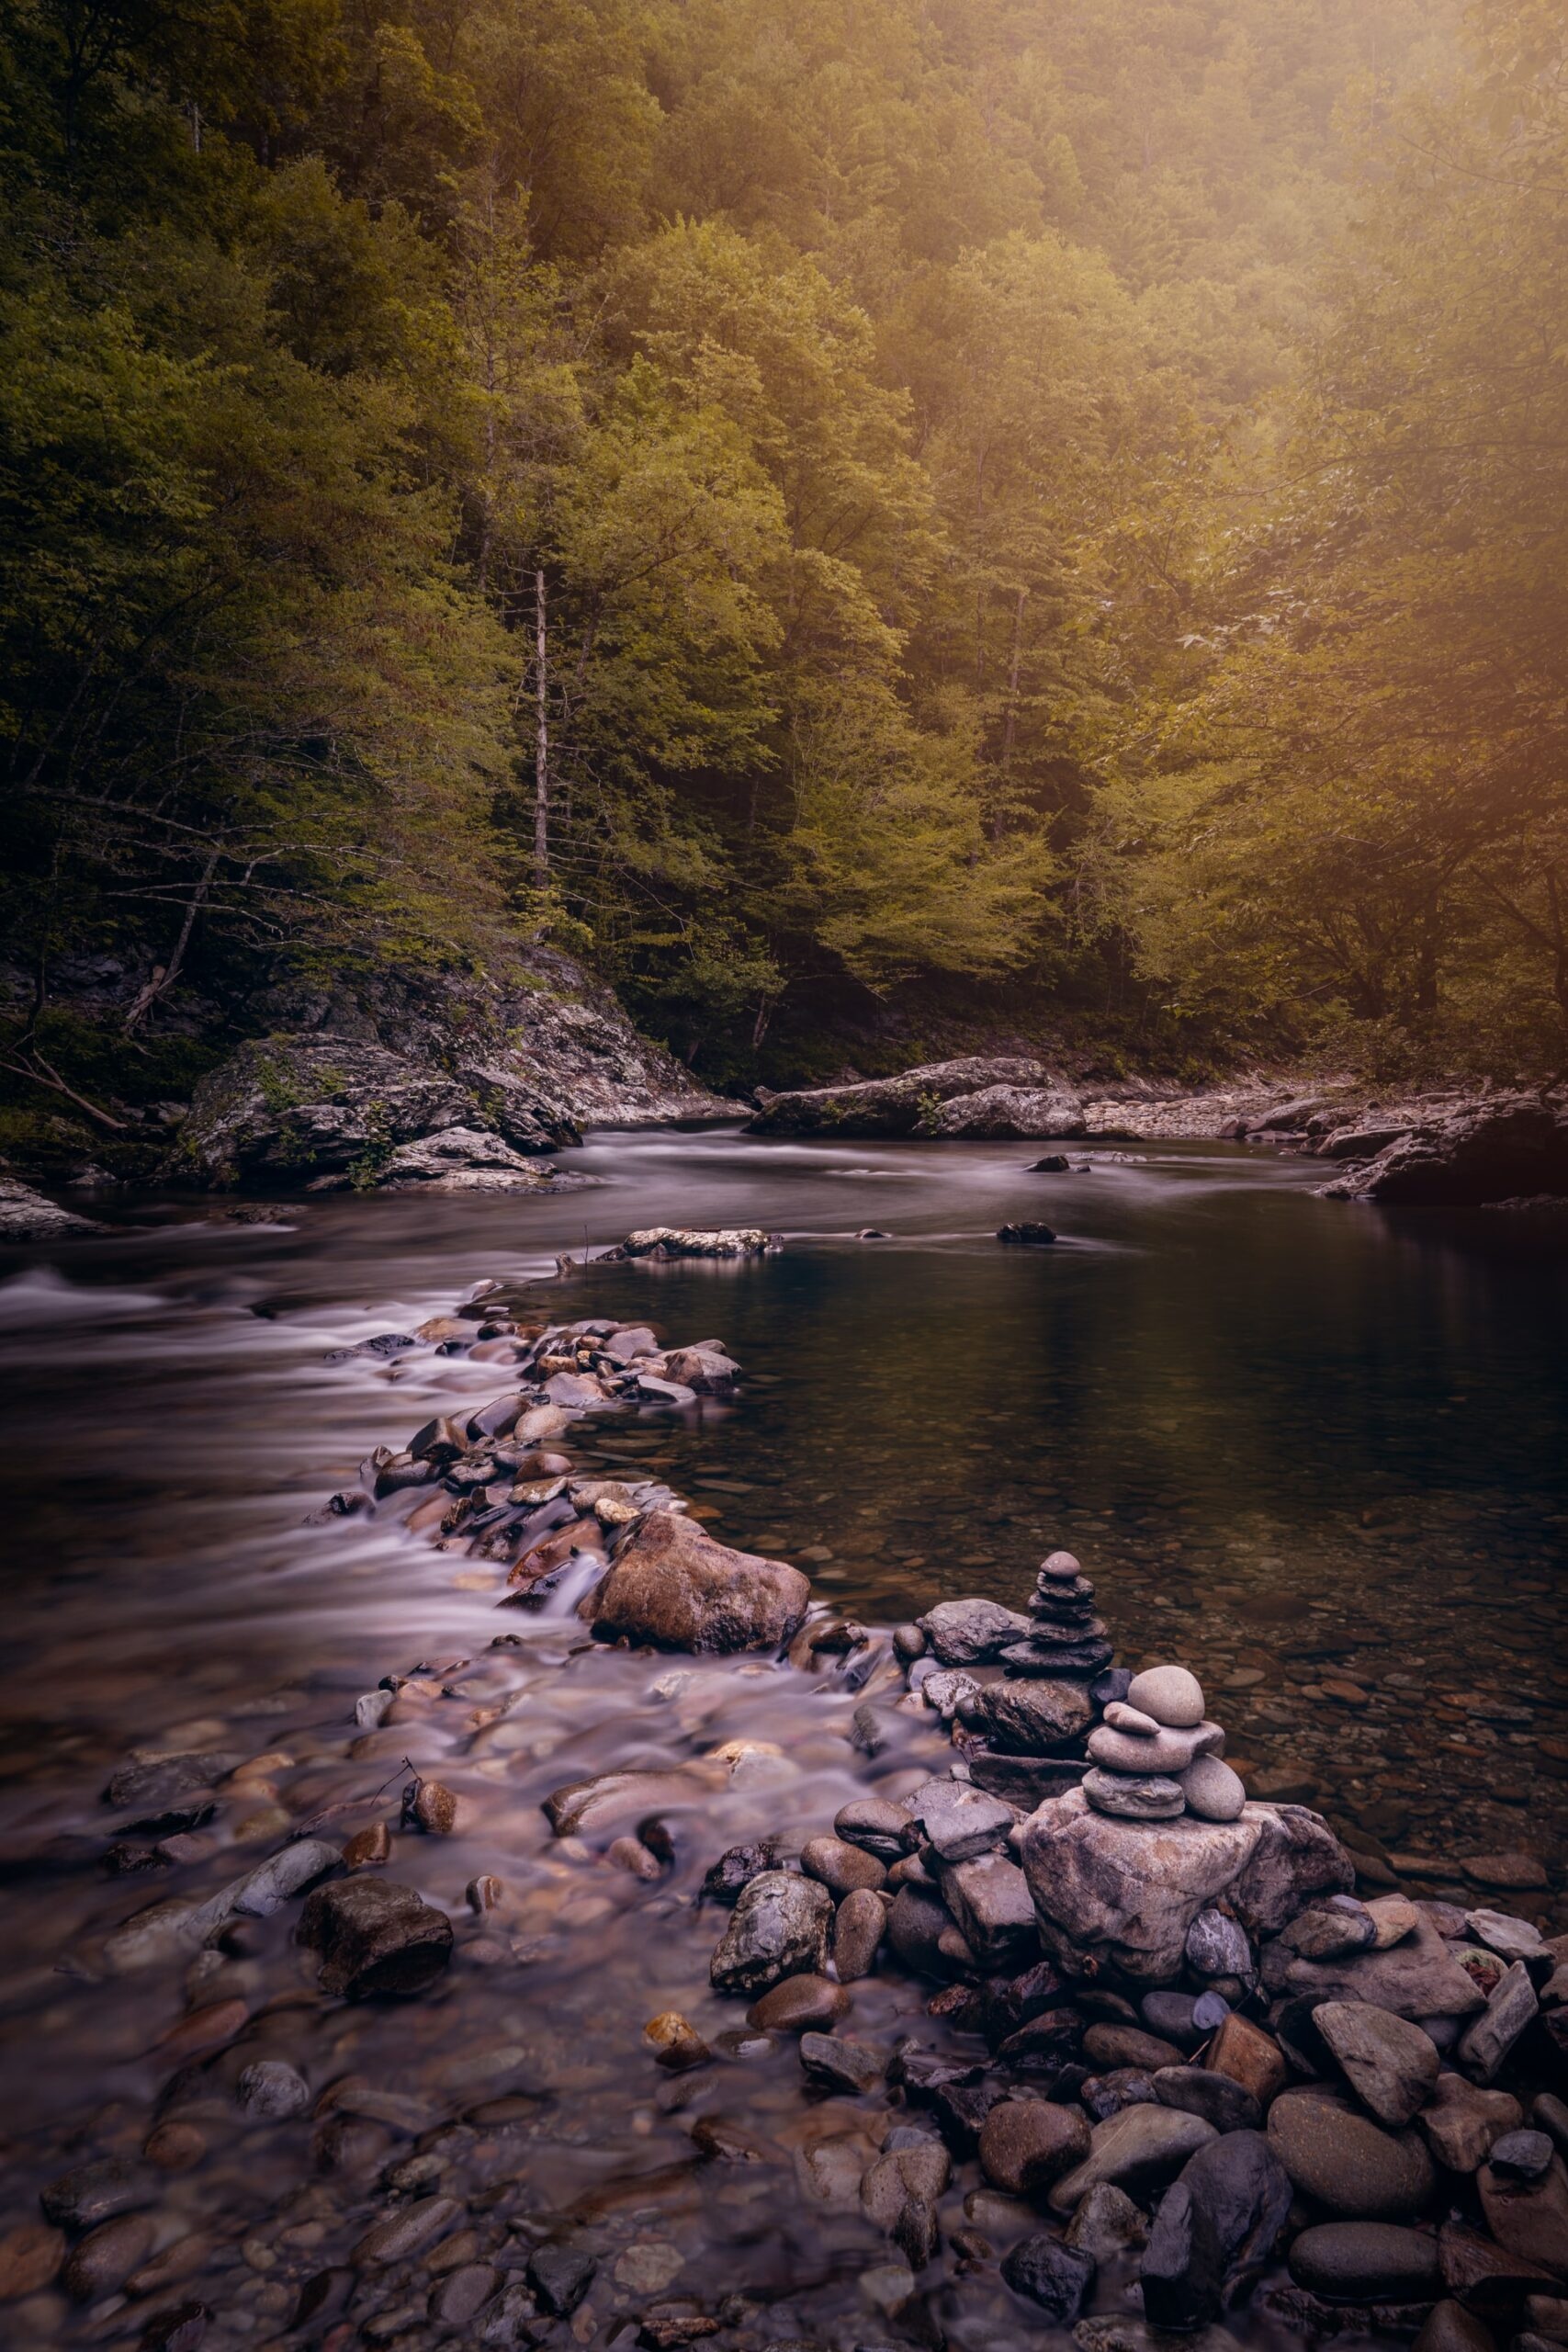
{"x":1313,"y":1450}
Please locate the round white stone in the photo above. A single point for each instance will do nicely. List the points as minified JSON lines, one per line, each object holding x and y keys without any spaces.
{"x":1168,"y":1694}
{"x":1212,"y":1791}
{"x":1060,"y":1564}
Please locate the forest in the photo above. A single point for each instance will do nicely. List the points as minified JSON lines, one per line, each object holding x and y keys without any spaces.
{"x":1054,"y":510}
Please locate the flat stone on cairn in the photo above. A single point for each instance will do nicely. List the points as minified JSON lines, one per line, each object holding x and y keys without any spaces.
{"x":1156,"y":1756}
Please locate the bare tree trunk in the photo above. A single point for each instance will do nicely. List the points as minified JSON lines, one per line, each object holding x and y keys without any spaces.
{"x":541,"y":742}
{"x":165,"y":975}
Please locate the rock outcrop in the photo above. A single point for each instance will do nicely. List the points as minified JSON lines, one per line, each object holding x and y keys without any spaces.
{"x":893,"y":1106}
{"x":1006,"y":1115}
{"x":1509,"y":1147}
{"x":27,"y":1215}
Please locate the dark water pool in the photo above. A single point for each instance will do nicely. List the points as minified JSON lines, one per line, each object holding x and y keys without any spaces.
{"x":1315,"y":1451}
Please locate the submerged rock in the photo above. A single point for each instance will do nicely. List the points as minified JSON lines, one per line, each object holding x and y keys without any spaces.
{"x":674,"y":1586}
{"x":375,"y":1936}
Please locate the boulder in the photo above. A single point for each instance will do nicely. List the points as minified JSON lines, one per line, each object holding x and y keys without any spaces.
{"x":689,"y":1241}
{"x":374,"y":1936}
{"x":1005,"y":1114}
{"x":1297,"y":1856}
{"x":675,"y":1587}
{"x":1504,"y":1149}
{"x":461,"y":1159}
{"x":285,"y":1107}
{"x":888,"y":1106}
{"x":1124,"y":1893}
{"x":26,"y":1216}
{"x":779,"y":1928}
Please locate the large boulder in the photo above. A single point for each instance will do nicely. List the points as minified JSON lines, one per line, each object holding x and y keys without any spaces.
{"x":889,"y":1106}
{"x":1006,"y":1115}
{"x":1509,"y":1147}
{"x":1124,"y":1893}
{"x":282,"y":1109}
{"x":689,"y":1241}
{"x":673,"y":1586}
{"x":1297,"y":1857}
{"x":26,"y":1216}
{"x":463,"y":1159}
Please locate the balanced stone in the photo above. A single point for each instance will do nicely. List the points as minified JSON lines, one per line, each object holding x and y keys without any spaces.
{"x":1121,"y":1717}
{"x":1077,"y":1657}
{"x":1059,"y":1563}
{"x":1170,"y":1694}
{"x":967,"y":1632}
{"x":1170,"y":1750}
{"x":1029,"y":1718}
{"x":1128,"y":1796}
{"x":1212,"y":1791}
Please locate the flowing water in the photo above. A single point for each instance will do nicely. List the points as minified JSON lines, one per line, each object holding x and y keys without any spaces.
{"x":1315,"y":1451}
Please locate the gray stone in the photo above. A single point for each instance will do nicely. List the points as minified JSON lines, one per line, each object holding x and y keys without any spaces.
{"x":26,"y":1216}
{"x":1373,"y":2262}
{"x":875,"y":1825}
{"x":1521,"y":2155}
{"x":1029,"y":1718}
{"x":970,"y":1632}
{"x":1182,"y":2271}
{"x":1055,"y":2276}
{"x":841,"y":2065}
{"x":1296,"y":1856}
{"x":1331,"y":1931}
{"x":1228,"y":2105}
{"x":891,"y":1106}
{"x":1139,"y":2148}
{"x":404,"y":2230}
{"x":1170,"y":1750}
{"x":1347,"y":2163}
{"x":1510,"y":1937}
{"x":1170,"y":1694}
{"x":1510,"y":2007}
{"x":945,"y":1688}
{"x":990,"y":1901}
{"x":1005,"y":1113}
{"x":1216,"y":1946}
{"x":462,"y":2294}
{"x":779,"y":1928}
{"x":1126,"y":1796}
{"x":1107,"y":2222}
{"x":271,"y":2091}
{"x":1212,"y":1791}
{"x":672,"y":1585}
{"x":560,"y":2274}
{"x":959,"y":1820}
{"x":1121,"y":1717}
{"x":1390,"y":2063}
{"x":1243,"y":2193}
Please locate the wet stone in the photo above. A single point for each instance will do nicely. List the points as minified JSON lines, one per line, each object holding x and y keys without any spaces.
{"x":106,"y":2258}
{"x":462,"y":2294}
{"x":1027,"y":2144}
{"x":1137,"y":2149}
{"x":1366,"y":2262}
{"x":840,"y":1867}
{"x":1346,"y":2163}
{"x":1135,"y":1797}
{"x":271,"y":2091}
{"x":1521,"y":2155}
{"x":1194,"y":2090}
{"x":875,"y":1825}
{"x":1106,"y":2223}
{"x":30,"y":2256}
{"x":859,"y":1925}
{"x":1390,"y":2063}
{"x":839,"y":2064}
{"x":92,"y":2192}
{"x":735,"y":1869}
{"x":779,"y":1928}
{"x":800,"y":2003}
{"x":376,"y":1937}
{"x":560,"y":2275}
{"x":405,"y":2231}
{"x":1050,"y":2274}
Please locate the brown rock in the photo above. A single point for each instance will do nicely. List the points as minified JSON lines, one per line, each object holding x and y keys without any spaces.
{"x":1461,"y":2121}
{"x":30,"y":2256}
{"x":1250,"y":2057}
{"x":675,"y":1587}
{"x":175,"y":2147}
{"x":800,"y":2004}
{"x":1529,"y":2218}
{"x":841,"y":1868}
{"x":1482,"y":2275}
{"x":1345,"y":2162}
{"x":202,"y":2031}
{"x":436,"y":1809}
{"x":367,"y":1849}
{"x":1418,"y":1977}
{"x":675,"y":2041}
{"x":107,"y":2257}
{"x":1124,"y":1892}
{"x":374,"y":1936}
{"x":1449,"y":2327}
{"x":1027,"y":2144}
{"x":1126,"y":2046}
{"x":859,"y":1926}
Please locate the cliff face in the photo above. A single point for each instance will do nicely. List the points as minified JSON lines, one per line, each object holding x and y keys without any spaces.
{"x":343,"y":1078}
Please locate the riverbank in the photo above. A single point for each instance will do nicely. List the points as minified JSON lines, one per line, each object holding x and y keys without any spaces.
{"x":508,"y":2140}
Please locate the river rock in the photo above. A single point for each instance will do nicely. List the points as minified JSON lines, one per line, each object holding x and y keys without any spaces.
{"x":1006,"y":1115}
{"x":972,"y":1631}
{"x":1511,"y":1939}
{"x":839,"y":2064}
{"x":106,"y":2258}
{"x":924,"y":1934}
{"x":1521,"y":2155}
{"x":31,"y":2254}
{"x":1029,"y":1718}
{"x":959,"y":1820}
{"x":1346,"y":2163}
{"x":1169,"y":1694}
{"x":1461,"y":2122}
{"x":1214,"y":1793}
{"x":840,"y":1867}
{"x":1390,"y":2063}
{"x":859,"y":1925}
{"x":1181,"y":2274}
{"x":1126,"y":1893}
{"x":27,"y":1215}
{"x":1227,"y":2104}
{"x":1055,"y":2277}
{"x":1297,"y":1856}
{"x":1217,"y":1945}
{"x":799,"y":2004}
{"x":875,"y":1825}
{"x":404,"y":2230}
{"x":1129,"y":1796}
{"x":375,"y":1936}
{"x":461,"y":1159}
{"x":1027,"y":2144}
{"x":1510,"y":2007}
{"x":1449,"y":2327}
{"x":899,"y":2194}
{"x":1529,"y":2218}
{"x":735,"y":1869}
{"x":780,"y":1928}
{"x":1348,"y":2262}
{"x":673,"y":1586}
{"x":1135,"y":2150}
{"x":689,"y":1241}
{"x":1332,"y":1931}
{"x":1106,"y":2223}
{"x":1242,"y":2193}
{"x":1029,"y":1232}
{"x":1417,"y":1978}
{"x":1168,"y":1751}
{"x":560,"y":2273}
{"x":1506,"y":1147}
{"x":1247,"y":2055}
{"x":272,"y":2091}
{"x":989,"y":1899}
{"x":91,"y":2193}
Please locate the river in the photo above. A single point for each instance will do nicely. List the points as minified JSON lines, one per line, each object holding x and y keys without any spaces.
{"x":1311,"y":1449}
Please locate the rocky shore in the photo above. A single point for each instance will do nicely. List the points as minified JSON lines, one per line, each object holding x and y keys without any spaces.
{"x":697,"y":1964}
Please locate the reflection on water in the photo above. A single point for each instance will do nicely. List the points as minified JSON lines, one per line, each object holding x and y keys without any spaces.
{"x":1315,"y":1451}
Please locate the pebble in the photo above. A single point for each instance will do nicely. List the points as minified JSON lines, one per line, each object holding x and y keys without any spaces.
{"x":1227,"y":2105}
{"x":675,"y":2041}
{"x":462,"y":2294}
{"x":1055,"y":2276}
{"x":1521,"y":2155}
{"x":92,"y":2192}
{"x":1107,"y":2045}
{"x":272,"y":2091}
{"x":841,"y":2064}
{"x":404,"y":2230}
{"x":30,"y":2256}
{"x":175,"y":2147}
{"x":107,"y":2257}
{"x":1139,"y":2148}
{"x":560,"y":2275}
{"x":1212,"y":1791}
